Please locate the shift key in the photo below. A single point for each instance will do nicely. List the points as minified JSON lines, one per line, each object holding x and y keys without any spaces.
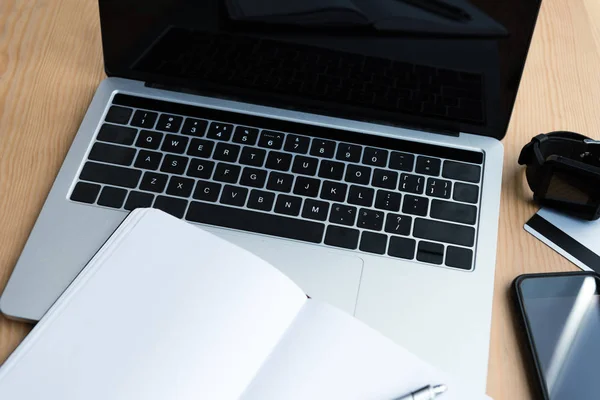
{"x":110,"y":174}
{"x":444,"y":232}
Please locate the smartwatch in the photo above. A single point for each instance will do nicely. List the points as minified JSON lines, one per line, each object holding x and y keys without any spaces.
{"x":563,"y":171}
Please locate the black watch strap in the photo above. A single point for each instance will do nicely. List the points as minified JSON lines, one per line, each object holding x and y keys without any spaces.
{"x":570,"y":145}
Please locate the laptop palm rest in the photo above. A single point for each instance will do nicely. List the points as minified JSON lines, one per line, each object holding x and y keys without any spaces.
{"x":322,"y":273}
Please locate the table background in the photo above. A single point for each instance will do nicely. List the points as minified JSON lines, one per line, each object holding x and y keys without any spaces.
{"x":51,"y":64}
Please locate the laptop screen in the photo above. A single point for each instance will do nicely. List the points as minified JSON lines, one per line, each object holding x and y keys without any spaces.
{"x":437,"y":65}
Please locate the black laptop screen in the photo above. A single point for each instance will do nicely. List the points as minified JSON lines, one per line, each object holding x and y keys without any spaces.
{"x":441,"y":65}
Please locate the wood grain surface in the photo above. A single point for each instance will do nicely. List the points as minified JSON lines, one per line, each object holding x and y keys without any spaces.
{"x":51,"y":64}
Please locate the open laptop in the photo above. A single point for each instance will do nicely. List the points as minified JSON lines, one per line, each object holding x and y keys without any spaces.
{"x":360,"y":157}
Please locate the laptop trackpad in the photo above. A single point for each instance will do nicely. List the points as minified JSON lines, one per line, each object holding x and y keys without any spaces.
{"x":323,"y":274}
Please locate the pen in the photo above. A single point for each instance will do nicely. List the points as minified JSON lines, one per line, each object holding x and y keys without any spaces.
{"x":426,"y":393}
{"x":441,"y":8}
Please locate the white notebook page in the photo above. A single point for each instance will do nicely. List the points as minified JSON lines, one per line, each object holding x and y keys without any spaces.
{"x":166,"y":311}
{"x":327,"y":354}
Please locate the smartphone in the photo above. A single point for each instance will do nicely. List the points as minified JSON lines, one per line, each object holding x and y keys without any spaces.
{"x":559,"y":315}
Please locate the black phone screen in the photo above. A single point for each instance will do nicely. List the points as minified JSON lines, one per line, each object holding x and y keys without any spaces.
{"x":563,"y":319}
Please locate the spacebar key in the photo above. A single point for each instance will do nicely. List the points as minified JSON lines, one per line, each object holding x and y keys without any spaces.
{"x":251,"y":221}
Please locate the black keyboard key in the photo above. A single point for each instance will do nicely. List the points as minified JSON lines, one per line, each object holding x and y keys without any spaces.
{"x":389,"y":201}
{"x":227,"y":173}
{"x":428,"y":165}
{"x":297,"y":144}
{"x":411,"y":183}
{"x":148,"y":160}
{"x":280,"y":182}
{"x":207,"y":191}
{"x":112,"y":197}
{"x":169,"y":123}
{"x":194,"y":127}
{"x":334,"y":191}
{"x":144,"y":119}
{"x":371,"y":242}
{"x":278,"y":161}
{"x":117,"y":134}
{"x":459,"y":257}
{"x":385,"y":179}
{"x":261,"y":200}
{"x":271,"y":140}
{"x":175,"y":144}
{"x":465,"y":192}
{"x":401,"y":161}
{"x":234,"y":195}
{"x":252,"y":156}
{"x":415,"y":205}
{"x":174,"y":206}
{"x":438,"y":188}
{"x":305,"y":165}
{"x":112,"y":154}
{"x":358,"y":174}
{"x":118,"y":115}
{"x":444,"y":232}
{"x":402,"y":247}
{"x":314,"y":209}
{"x":174,"y":164}
{"x":226,"y":152}
{"x":288,"y":205}
{"x":200,"y":168}
{"x":331,"y":170}
{"x":361,"y":196}
{"x":398,"y":224}
{"x":432,"y":253}
{"x":454,"y":212}
{"x":348,"y":152}
{"x":307,"y":186}
{"x":149,"y":139}
{"x":461,"y":171}
{"x":110,"y":174}
{"x":201,"y":148}
{"x":138,"y":200}
{"x":179,"y":186}
{"x":269,"y":224}
{"x":154,"y":182}
{"x":370,"y":219}
{"x":85,"y":192}
{"x":245,"y":135}
{"x":343,"y":215}
{"x":342,"y":237}
{"x":322,"y":148}
{"x":219,"y":131}
{"x":375,"y":157}
{"x":253,"y":177}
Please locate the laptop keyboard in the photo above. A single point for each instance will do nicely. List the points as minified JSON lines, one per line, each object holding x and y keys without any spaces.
{"x":330,"y":187}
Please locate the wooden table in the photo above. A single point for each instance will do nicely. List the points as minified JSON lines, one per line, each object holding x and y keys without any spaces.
{"x":51,"y":64}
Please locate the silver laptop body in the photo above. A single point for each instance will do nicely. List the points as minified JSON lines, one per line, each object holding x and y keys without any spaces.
{"x":435,"y":301}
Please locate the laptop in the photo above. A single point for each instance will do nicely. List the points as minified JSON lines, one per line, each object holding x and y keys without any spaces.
{"x":359,"y":154}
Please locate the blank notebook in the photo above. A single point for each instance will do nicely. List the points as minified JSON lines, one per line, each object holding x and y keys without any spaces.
{"x":166,"y":310}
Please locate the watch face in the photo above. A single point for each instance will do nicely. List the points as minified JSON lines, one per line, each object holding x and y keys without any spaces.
{"x":568,"y":188}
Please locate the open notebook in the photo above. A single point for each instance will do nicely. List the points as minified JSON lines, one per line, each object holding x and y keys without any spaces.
{"x":166,"y":310}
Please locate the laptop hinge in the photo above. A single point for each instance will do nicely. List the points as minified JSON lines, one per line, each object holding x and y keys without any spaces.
{"x":430,"y":128}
